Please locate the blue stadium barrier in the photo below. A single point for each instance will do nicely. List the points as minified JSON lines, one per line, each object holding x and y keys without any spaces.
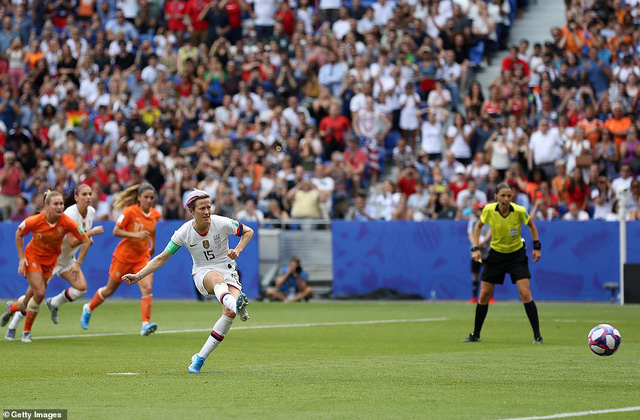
{"x":173,"y":280}
{"x":421,"y":258}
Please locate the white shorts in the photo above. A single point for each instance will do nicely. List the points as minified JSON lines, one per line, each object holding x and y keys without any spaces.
{"x":230,"y":276}
{"x":62,"y":268}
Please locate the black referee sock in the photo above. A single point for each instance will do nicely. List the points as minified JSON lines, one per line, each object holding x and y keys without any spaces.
{"x":481,"y":314}
{"x":532,"y":313}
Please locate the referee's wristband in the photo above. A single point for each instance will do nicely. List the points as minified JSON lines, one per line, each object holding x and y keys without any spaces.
{"x":475,"y":248}
{"x":537,"y":245}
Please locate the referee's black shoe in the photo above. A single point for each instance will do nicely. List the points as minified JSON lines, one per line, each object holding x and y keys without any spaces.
{"x":537,"y":340}
{"x":471,"y":339}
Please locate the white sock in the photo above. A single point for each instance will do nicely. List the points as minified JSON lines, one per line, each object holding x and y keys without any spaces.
{"x":221,"y":291}
{"x":68,"y":295}
{"x":15,"y":321}
{"x":220,"y":329}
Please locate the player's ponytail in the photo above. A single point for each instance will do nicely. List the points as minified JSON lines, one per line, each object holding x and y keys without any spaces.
{"x":48,"y":195}
{"x":129,"y":197}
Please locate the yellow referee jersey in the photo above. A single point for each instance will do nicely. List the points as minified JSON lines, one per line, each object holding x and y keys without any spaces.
{"x":505,"y":231}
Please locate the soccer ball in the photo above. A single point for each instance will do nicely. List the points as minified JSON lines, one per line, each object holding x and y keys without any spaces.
{"x":604,"y":340}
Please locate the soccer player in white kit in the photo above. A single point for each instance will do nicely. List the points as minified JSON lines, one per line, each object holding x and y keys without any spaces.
{"x":214,"y":267}
{"x":79,"y":209}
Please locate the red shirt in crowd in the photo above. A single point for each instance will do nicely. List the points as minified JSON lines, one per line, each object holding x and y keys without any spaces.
{"x":11,"y":184}
{"x":336,"y":127}
{"x":508,"y":63}
{"x":288,"y":20}
{"x":578,"y":195}
{"x":407,"y":186}
{"x":193,"y":9}
{"x":355,"y":159}
{"x":175,"y":8}
{"x":234,"y":13}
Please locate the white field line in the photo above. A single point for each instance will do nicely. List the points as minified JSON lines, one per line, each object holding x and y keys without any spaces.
{"x":123,"y":373}
{"x":579,"y":413}
{"x":253,"y":327}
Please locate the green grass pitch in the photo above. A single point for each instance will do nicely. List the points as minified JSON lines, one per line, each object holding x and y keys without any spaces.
{"x":326,"y":360}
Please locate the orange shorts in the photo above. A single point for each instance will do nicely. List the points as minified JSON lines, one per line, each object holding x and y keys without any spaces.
{"x":34,"y":266}
{"x":119,"y":269}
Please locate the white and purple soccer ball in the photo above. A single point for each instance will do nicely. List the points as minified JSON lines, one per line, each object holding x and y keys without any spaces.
{"x":604,"y":340}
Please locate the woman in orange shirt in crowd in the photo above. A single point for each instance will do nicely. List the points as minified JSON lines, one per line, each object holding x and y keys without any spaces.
{"x":137,"y":228}
{"x":38,"y":260}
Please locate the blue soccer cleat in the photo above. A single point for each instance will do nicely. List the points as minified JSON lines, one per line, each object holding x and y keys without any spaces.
{"x":241,"y":307}
{"x":149,"y":328}
{"x":196,"y":363}
{"x":85,"y":317}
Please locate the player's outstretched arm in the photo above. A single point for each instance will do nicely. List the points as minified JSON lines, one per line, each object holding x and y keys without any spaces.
{"x":535,"y":255}
{"x":151,"y":266}
{"x":20,"y":247}
{"x":476,"y":254}
{"x":247,"y":234}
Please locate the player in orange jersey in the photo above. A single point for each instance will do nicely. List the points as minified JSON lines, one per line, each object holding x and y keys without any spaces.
{"x":77,"y":206}
{"x":37,"y":262}
{"x":137,"y":228}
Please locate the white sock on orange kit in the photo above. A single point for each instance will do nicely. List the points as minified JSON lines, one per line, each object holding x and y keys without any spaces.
{"x":220,"y":329}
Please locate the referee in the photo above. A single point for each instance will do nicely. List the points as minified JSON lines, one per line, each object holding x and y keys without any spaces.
{"x":507,"y":255}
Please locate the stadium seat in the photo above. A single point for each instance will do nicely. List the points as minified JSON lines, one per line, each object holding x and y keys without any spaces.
{"x":476,"y":54}
{"x":391,"y":141}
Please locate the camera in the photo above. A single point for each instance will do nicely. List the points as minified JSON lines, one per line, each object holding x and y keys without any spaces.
{"x":298,"y":269}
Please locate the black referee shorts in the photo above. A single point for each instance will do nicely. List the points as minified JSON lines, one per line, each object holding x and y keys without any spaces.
{"x":497,"y":264}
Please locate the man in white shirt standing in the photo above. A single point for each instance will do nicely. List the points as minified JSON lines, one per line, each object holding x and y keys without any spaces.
{"x":291,"y":113}
{"x":450,"y":72}
{"x":382,"y":12}
{"x":543,"y":149}
{"x":150,"y":72}
{"x":329,"y":10}
{"x":263,"y":15}
{"x":332,"y":75}
{"x":431,"y":135}
{"x":342,"y":26}
{"x":89,"y":87}
{"x":466,"y":196}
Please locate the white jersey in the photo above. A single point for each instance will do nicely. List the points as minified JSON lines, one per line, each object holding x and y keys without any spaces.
{"x":68,"y":254}
{"x":210,"y":250}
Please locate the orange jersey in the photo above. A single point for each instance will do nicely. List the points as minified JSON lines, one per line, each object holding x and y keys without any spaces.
{"x":132,"y":219}
{"x":46,"y":245}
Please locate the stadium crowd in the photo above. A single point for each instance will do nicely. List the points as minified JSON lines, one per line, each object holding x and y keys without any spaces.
{"x":330,"y":110}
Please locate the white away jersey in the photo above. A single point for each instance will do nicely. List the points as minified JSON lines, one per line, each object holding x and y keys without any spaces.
{"x":67,"y":254}
{"x":210,"y":250}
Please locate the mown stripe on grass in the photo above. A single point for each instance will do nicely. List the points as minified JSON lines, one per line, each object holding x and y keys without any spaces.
{"x":252,"y":327}
{"x":579,"y":413}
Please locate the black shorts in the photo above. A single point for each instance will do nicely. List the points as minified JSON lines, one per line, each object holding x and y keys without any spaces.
{"x":497,"y":264}
{"x":476,"y":267}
